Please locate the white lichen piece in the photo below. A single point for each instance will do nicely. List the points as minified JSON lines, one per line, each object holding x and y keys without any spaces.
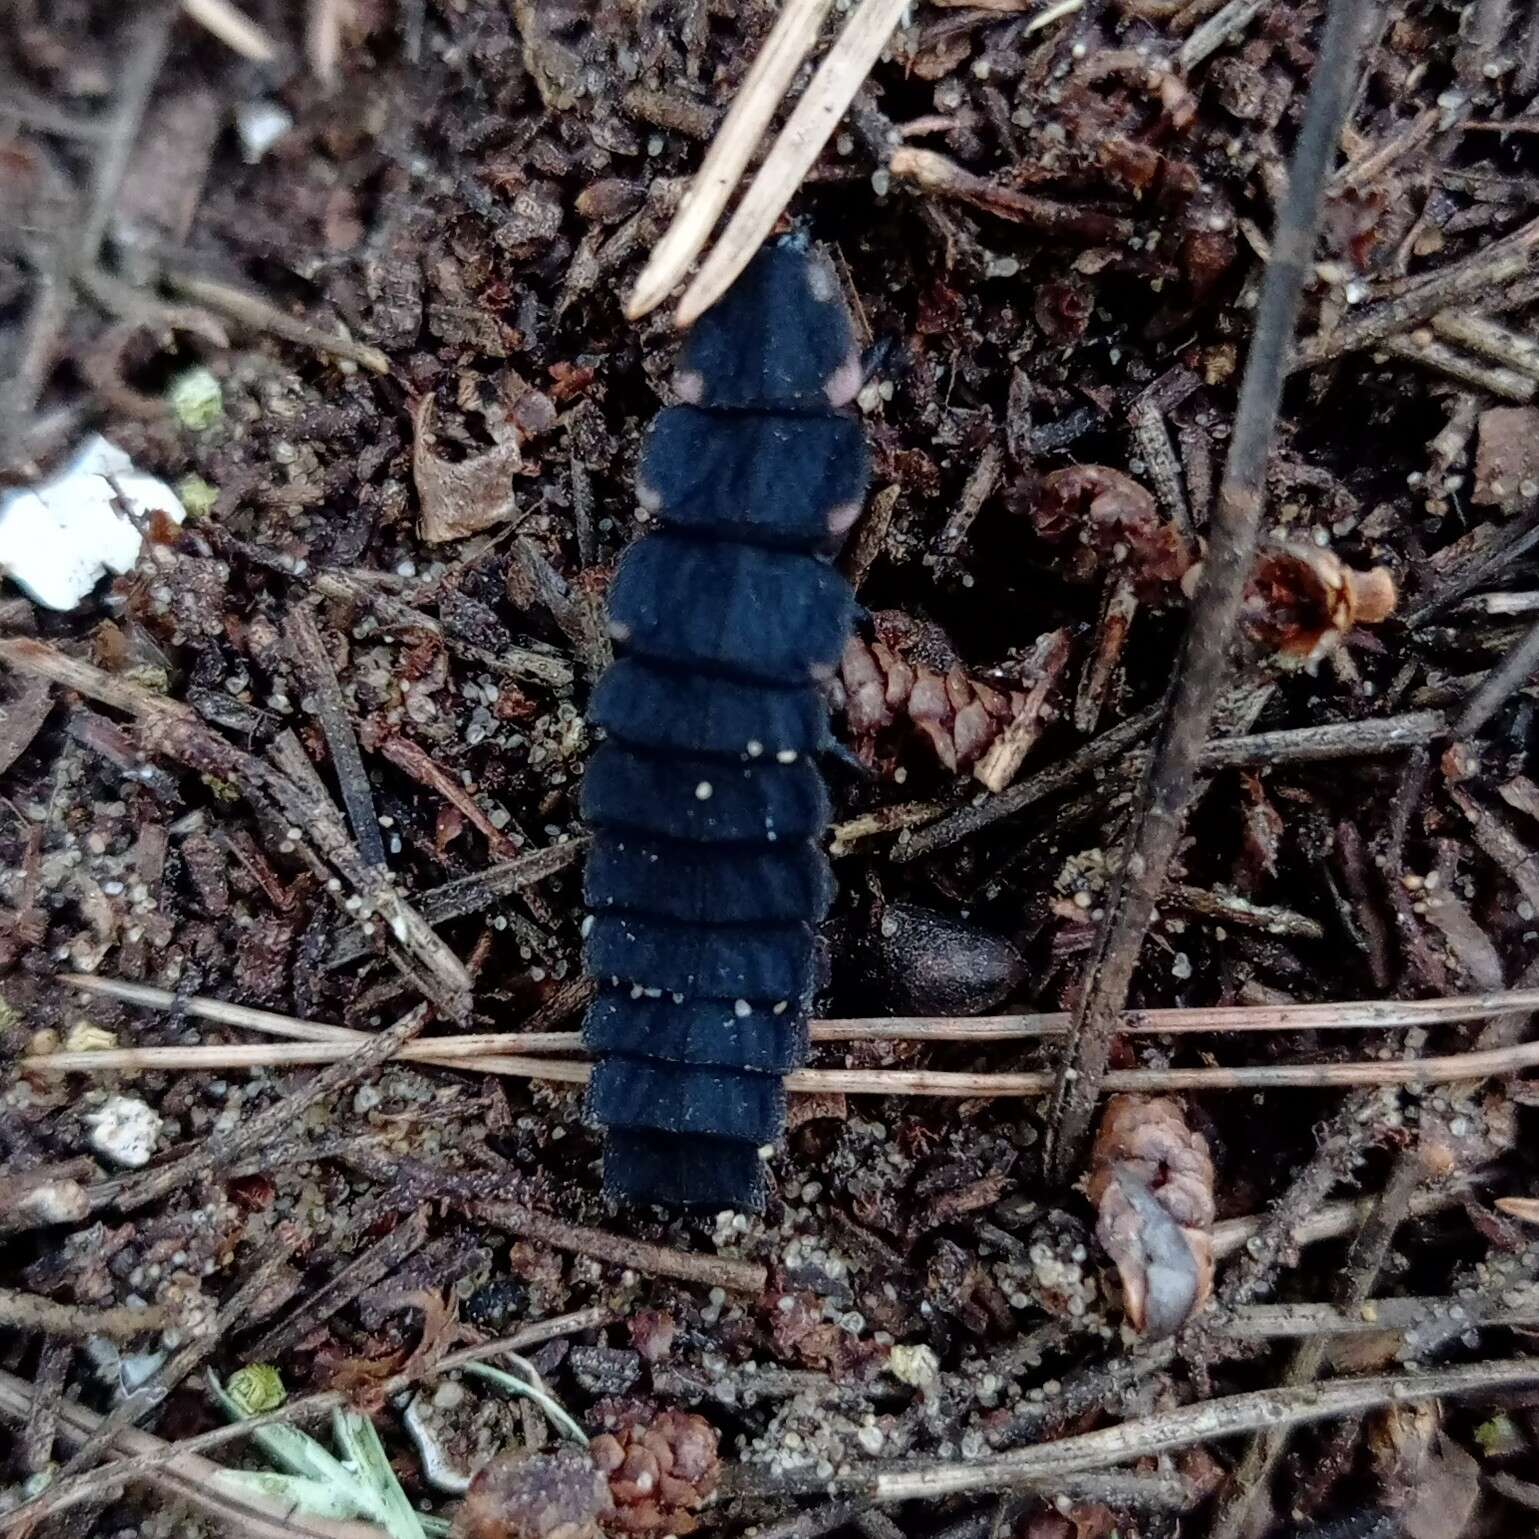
{"x":125,"y":1130}
{"x":58,"y":538}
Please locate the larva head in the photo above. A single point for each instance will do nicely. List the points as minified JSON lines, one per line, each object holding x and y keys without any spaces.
{"x":780,"y":337}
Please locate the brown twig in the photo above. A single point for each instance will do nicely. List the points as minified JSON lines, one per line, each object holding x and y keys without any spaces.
{"x":1364,"y":1262}
{"x":1348,"y":1015}
{"x":1164,"y":1431}
{"x":934,"y":173}
{"x":257,"y":314}
{"x":1171,"y":781}
{"x":1293,"y":745}
{"x":916,"y":1082}
{"x":623,"y":1251}
{"x":313,"y":663}
{"x":29,"y":1311}
{"x":1486,"y":269}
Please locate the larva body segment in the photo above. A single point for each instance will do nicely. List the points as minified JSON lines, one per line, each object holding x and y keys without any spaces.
{"x":706,"y":878}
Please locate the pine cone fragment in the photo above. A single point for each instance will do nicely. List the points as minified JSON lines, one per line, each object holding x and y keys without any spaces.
{"x":660,"y":1471}
{"x":1151,"y":1180}
{"x":910,"y":672}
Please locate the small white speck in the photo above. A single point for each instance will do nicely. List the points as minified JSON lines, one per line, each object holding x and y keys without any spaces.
{"x":742,"y":1009}
{"x":703,"y":791}
{"x":755,"y":748}
{"x":786,"y":756}
{"x":780,"y":1007}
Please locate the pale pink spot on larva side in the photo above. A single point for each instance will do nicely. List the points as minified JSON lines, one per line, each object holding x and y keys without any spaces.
{"x":690,"y":385}
{"x":844,"y":383}
{"x":842,"y":519}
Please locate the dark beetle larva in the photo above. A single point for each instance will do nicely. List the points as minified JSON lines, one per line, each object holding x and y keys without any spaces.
{"x":707,"y":877}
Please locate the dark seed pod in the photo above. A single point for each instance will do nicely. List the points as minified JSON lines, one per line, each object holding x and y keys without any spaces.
{"x":926,"y":963}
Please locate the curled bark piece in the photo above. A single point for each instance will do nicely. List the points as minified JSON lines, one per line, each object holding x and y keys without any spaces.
{"x":1107,"y":521}
{"x":1152,"y":1183}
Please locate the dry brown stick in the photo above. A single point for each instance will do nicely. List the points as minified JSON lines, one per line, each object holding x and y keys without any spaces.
{"x":1164,"y":1431}
{"x":257,"y":314}
{"x":1513,"y":350}
{"x":1487,"y":269}
{"x":1509,"y":675}
{"x":622,"y":1251}
{"x":972,"y":819}
{"x":1304,"y":1322}
{"x":1330,"y":1221}
{"x":307,"y":649}
{"x":221,"y":1151}
{"x":415,"y":947}
{"x":233,"y":28}
{"x":175,"y":730}
{"x":34,"y":1450}
{"x":1229,"y":22}
{"x":29,"y":1311}
{"x":1171,"y":781}
{"x":1496,"y":838}
{"x":916,"y":1082}
{"x":365,"y":1269}
{"x":469,"y":894}
{"x":1422,"y":348}
{"x":810,"y":126}
{"x":592,"y":1318}
{"x":1512,"y":542}
{"x":789,"y":42}
{"x":1291,"y":745}
{"x":937,"y":174}
{"x":1364,"y":1262}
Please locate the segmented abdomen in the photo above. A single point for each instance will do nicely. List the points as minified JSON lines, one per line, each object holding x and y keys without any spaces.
{"x":706,"y":876}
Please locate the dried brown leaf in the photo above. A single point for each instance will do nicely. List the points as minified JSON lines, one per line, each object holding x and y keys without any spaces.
{"x":459,"y":497}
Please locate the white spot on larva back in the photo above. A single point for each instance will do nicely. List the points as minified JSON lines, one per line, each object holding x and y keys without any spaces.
{"x":637,"y":991}
{"x":841,"y":519}
{"x":821,"y":282}
{"x":754,"y":747}
{"x":587,"y":925}
{"x":786,"y":756}
{"x":742,"y":1009}
{"x":780,"y":1007}
{"x":648,"y":495}
{"x":703,"y":791}
{"x":619,"y":632}
{"x":690,"y":385}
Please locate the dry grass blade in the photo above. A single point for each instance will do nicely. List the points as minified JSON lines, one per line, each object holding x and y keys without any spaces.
{"x":473,"y":1054}
{"x":808,"y":129}
{"x":233,"y":27}
{"x":789,"y":42}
